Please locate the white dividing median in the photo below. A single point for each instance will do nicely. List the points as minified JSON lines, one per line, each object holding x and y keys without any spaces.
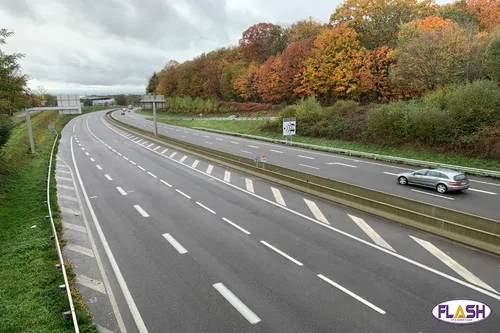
{"x":278,"y":197}
{"x":195,"y":163}
{"x":370,"y":232}
{"x":181,"y":249}
{"x":209,"y":169}
{"x":316,"y":211}
{"x":237,"y":304}
{"x":249,"y":184}
{"x":141,"y":211}
{"x":227,"y":176}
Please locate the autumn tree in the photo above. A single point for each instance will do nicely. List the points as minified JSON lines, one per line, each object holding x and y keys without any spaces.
{"x":493,"y":58}
{"x":458,"y":13}
{"x":267,"y":81}
{"x":245,"y":83}
{"x":486,"y":11}
{"x":253,"y":42}
{"x":231,"y":66}
{"x":377,"y":21}
{"x":335,"y":66}
{"x":377,"y":82}
{"x":168,"y":79}
{"x":304,"y":29}
{"x":152,"y":84}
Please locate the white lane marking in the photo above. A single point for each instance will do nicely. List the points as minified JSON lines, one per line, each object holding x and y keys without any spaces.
{"x":64,"y":178}
{"x":62,"y":166}
{"x":64,"y":171}
{"x":208,"y":142}
{"x":278,"y":197}
{"x":209,"y":169}
{"x":83,"y":148}
{"x":66,"y":197}
{"x":90,"y":283}
{"x":150,"y":145}
{"x":370,"y":232}
{"x":182,"y":193}
{"x":125,"y":158}
{"x":119,"y":154}
{"x":86,"y":153}
{"x":152,"y":175}
{"x":164,"y":182}
{"x":196,"y":134}
{"x":79,"y":144}
{"x":448,"y":261}
{"x":481,"y":191}
{"x":92,"y":160}
{"x":122,"y":192}
{"x":219,"y":139}
{"x":481,"y":182}
{"x":98,"y":167}
{"x":157,"y":147}
{"x":133,"y":162}
{"x":308,"y":166}
{"x":195,"y":163}
{"x":236,"y":226}
{"x":343,"y":233}
{"x":108,"y":177}
{"x":234,"y":142}
{"x":343,"y":164}
{"x":173,"y":154}
{"x":74,"y":127}
{"x":121,"y":281}
{"x":93,"y":197}
{"x":183,"y":158}
{"x":434,"y":195}
{"x":74,"y":227}
{"x":390,"y":173}
{"x":141,"y":211}
{"x":249,"y":184}
{"x":70,"y":211}
{"x":203,"y":206}
{"x":350,"y":293}
{"x":181,"y":249}
{"x":307,"y":157}
{"x":144,"y":143}
{"x":237,"y":304}
{"x":185,"y":132}
{"x":227,"y":176}
{"x":282,"y":253}
{"x":252,"y":146}
{"x":66,"y":187}
{"x":246,"y":151}
{"x":80,"y":249}
{"x":316,"y":211}
{"x":139,"y":141}
{"x":276,"y":151}
{"x":206,"y":136}
{"x":141,"y":168}
{"x":101,"y":329}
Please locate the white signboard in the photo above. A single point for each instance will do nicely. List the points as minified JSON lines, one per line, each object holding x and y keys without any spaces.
{"x":289,"y":127}
{"x":72,"y":102}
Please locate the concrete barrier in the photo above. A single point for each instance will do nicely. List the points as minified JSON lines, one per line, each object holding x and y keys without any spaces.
{"x":468,"y":229}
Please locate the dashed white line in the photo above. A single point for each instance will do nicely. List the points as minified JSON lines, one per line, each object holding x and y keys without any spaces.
{"x":183,"y":159}
{"x":316,"y":211}
{"x":152,"y":175}
{"x":278,"y":197}
{"x":343,"y":164}
{"x":249,"y":184}
{"x":390,"y":173}
{"x":236,"y":226}
{"x":481,"y":191}
{"x":92,"y":160}
{"x":83,"y":148}
{"x":195,"y":163}
{"x":182,"y":193}
{"x":350,"y":293}
{"x":209,"y":169}
{"x":175,"y":243}
{"x":206,"y":136}
{"x":227,"y":176}
{"x":157,"y":147}
{"x":141,"y":168}
{"x":246,"y":151}
{"x":173,"y":154}
{"x":98,"y":167}
{"x":434,"y":195}
{"x":282,"y":253}
{"x":133,"y":162}
{"x":308,"y":166}
{"x":164,"y":182}
{"x":234,"y":142}
{"x":119,"y":154}
{"x":164,"y":151}
{"x":125,"y":158}
{"x":307,"y":157}
{"x":141,"y":211}
{"x":219,"y":139}
{"x":86,"y":153}
{"x":150,"y":145}
{"x":108,"y":177}
{"x":139,"y":141}
{"x":276,"y":151}
{"x":122,"y":192}
{"x":205,"y":207}
{"x":208,"y":142}
{"x":251,"y":146}
{"x":370,"y":232}
{"x":237,"y":304}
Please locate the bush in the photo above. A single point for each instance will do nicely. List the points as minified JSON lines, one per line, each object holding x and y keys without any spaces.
{"x":6,"y":126}
{"x":388,"y":123}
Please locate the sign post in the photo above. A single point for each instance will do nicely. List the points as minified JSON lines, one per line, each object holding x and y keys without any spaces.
{"x":289,"y":128}
{"x":30,"y":132}
{"x":149,"y":101}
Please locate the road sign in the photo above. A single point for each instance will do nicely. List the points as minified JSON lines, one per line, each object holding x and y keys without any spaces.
{"x":263,"y":159}
{"x":69,"y":104}
{"x":51,"y":127}
{"x":289,"y":127}
{"x":257,"y":159}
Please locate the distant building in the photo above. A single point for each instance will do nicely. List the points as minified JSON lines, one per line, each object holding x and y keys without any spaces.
{"x":98,"y":100}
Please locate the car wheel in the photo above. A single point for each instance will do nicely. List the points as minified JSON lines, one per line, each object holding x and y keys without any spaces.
{"x":441,"y":188}
{"x":402,"y":180}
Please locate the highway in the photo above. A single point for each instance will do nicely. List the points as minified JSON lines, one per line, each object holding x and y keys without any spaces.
{"x":481,"y":199}
{"x":196,"y":247}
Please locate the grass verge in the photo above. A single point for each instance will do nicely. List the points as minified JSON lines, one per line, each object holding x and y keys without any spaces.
{"x":29,"y":297}
{"x":254,"y":127}
{"x":163,"y":114}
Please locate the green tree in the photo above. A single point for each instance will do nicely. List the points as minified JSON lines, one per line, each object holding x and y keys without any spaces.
{"x":121,"y":100}
{"x":152,"y":83}
{"x":87,"y":102}
{"x":458,"y":13}
{"x":493,"y":58}
{"x":12,"y":81}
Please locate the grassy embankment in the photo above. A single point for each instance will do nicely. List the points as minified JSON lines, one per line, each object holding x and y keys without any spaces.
{"x":256,"y":127}
{"x":29,"y":297}
{"x":162,"y":114}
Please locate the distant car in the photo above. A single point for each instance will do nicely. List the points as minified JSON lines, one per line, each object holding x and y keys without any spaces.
{"x":442,"y":180}
{"x":124,"y":109}
{"x":234,"y":117}
{"x":123,"y":113}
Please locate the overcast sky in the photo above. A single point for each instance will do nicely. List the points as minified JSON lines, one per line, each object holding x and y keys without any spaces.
{"x":113,"y":46}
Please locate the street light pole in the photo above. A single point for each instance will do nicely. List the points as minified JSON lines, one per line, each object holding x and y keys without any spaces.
{"x":154,"y":118}
{"x":30,"y":131}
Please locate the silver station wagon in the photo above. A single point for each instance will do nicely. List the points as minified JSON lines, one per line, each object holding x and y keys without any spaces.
{"x":442,"y":180}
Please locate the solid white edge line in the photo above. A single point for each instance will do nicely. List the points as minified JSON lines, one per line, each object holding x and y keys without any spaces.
{"x":350,"y":293}
{"x":237,"y":304}
{"x":164,"y":182}
{"x":181,"y":249}
{"x":182,"y":193}
{"x":236,"y":226}
{"x":432,"y":194}
{"x":122,"y":192}
{"x":141,"y":211}
{"x":121,"y":281}
{"x":346,"y":234}
{"x":282,"y":253}
{"x":203,"y":206}
{"x":481,"y":191}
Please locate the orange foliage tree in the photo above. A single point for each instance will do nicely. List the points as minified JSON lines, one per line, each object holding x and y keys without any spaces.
{"x":487,"y":12}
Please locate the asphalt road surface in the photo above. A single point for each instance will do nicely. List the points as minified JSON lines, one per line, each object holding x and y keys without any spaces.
{"x":191,"y":246}
{"x":481,"y":199}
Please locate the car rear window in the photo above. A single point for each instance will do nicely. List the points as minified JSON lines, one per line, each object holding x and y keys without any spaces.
{"x":460,"y":177}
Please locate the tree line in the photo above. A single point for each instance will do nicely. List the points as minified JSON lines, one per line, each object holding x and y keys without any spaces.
{"x":369,"y":51}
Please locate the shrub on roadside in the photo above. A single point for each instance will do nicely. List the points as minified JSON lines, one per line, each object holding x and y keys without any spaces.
{"x":6,"y":126}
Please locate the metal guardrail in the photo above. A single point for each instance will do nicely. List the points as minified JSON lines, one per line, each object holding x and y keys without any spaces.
{"x":373,"y":156}
{"x":219,"y":118}
{"x":56,"y":241}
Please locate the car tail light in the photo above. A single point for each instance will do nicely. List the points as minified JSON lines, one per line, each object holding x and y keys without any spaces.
{"x":453,"y":183}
